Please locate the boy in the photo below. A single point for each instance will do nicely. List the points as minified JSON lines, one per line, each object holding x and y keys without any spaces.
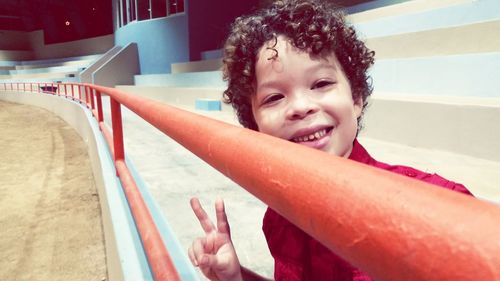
{"x":295,"y":71}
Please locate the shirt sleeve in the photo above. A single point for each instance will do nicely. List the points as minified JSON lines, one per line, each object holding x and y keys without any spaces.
{"x":458,"y":187}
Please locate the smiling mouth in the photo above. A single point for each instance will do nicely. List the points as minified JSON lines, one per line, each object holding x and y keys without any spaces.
{"x":313,"y":136}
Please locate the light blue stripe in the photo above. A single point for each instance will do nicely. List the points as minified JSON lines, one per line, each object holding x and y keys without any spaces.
{"x":473,"y":75}
{"x":462,"y":14}
{"x":132,"y":258}
{"x":176,"y":251}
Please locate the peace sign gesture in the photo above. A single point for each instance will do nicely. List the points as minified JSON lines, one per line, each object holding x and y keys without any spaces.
{"x":214,"y":254}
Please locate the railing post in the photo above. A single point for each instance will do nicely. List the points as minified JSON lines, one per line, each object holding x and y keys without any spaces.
{"x":92,"y":94}
{"x":79,"y":87}
{"x":116,"y":120}
{"x":85,"y":95}
{"x":88,"y":96}
{"x":99,"y":106}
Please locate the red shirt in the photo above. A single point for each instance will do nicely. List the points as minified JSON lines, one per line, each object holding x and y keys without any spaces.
{"x":298,"y":256}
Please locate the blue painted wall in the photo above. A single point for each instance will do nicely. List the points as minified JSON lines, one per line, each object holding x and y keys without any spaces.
{"x":160,"y":42}
{"x":210,"y":21}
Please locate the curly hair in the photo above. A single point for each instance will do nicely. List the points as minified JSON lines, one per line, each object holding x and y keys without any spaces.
{"x":315,"y":26}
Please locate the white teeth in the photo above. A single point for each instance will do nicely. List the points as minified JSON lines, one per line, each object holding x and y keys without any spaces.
{"x":316,"y":135}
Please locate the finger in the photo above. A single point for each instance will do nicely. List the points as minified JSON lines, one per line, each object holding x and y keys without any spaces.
{"x":198,"y":250}
{"x":191,"y":256}
{"x":202,"y":216}
{"x":220,"y":212}
{"x":209,"y":243}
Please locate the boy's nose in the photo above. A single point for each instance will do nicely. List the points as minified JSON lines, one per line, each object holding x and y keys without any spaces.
{"x":300,"y":107}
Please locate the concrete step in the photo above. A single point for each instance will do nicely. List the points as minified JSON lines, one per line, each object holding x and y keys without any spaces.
{"x":192,"y":79}
{"x":182,"y":96}
{"x":197,"y":66}
{"x":463,"y":13}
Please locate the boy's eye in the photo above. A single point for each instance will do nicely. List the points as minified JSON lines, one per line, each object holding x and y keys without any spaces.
{"x":272,"y":98}
{"x":321,"y":84}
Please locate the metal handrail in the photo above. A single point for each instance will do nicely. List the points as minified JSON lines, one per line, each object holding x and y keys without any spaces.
{"x":390,"y":226}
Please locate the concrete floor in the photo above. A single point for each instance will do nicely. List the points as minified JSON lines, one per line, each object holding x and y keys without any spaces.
{"x":174,"y":175}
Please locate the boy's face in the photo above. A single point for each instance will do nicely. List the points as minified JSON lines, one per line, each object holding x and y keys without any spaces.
{"x":305,"y":100}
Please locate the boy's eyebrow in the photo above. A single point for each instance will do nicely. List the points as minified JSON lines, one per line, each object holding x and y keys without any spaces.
{"x":323,"y":64}
{"x":316,"y":67}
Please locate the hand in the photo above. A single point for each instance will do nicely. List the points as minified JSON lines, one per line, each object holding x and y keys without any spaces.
{"x":214,"y":254}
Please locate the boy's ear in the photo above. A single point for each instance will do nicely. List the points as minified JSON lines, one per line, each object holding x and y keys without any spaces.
{"x":358,"y":106}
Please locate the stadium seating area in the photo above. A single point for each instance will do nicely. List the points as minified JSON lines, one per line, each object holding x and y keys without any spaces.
{"x":48,"y":70}
{"x":443,"y":53}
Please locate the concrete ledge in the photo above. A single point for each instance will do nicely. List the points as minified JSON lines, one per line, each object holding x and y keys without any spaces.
{"x":86,"y":75}
{"x":45,"y":75}
{"x":212,"y":54}
{"x":197,"y":66}
{"x":463,"y":75}
{"x":28,"y":64}
{"x":466,"y":126}
{"x":465,"y":39}
{"x":201,"y":79}
{"x":178,"y":95}
{"x":41,"y":80}
{"x":120,"y":68}
{"x":52,"y":69}
{"x":16,"y":55}
{"x":410,"y":7}
{"x":208,"y":104}
{"x":415,"y":120}
{"x":468,"y":12}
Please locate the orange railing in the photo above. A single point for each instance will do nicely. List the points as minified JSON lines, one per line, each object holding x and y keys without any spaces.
{"x":390,"y":226}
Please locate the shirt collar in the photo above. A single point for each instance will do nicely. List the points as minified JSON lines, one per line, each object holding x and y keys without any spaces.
{"x":359,"y":153}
